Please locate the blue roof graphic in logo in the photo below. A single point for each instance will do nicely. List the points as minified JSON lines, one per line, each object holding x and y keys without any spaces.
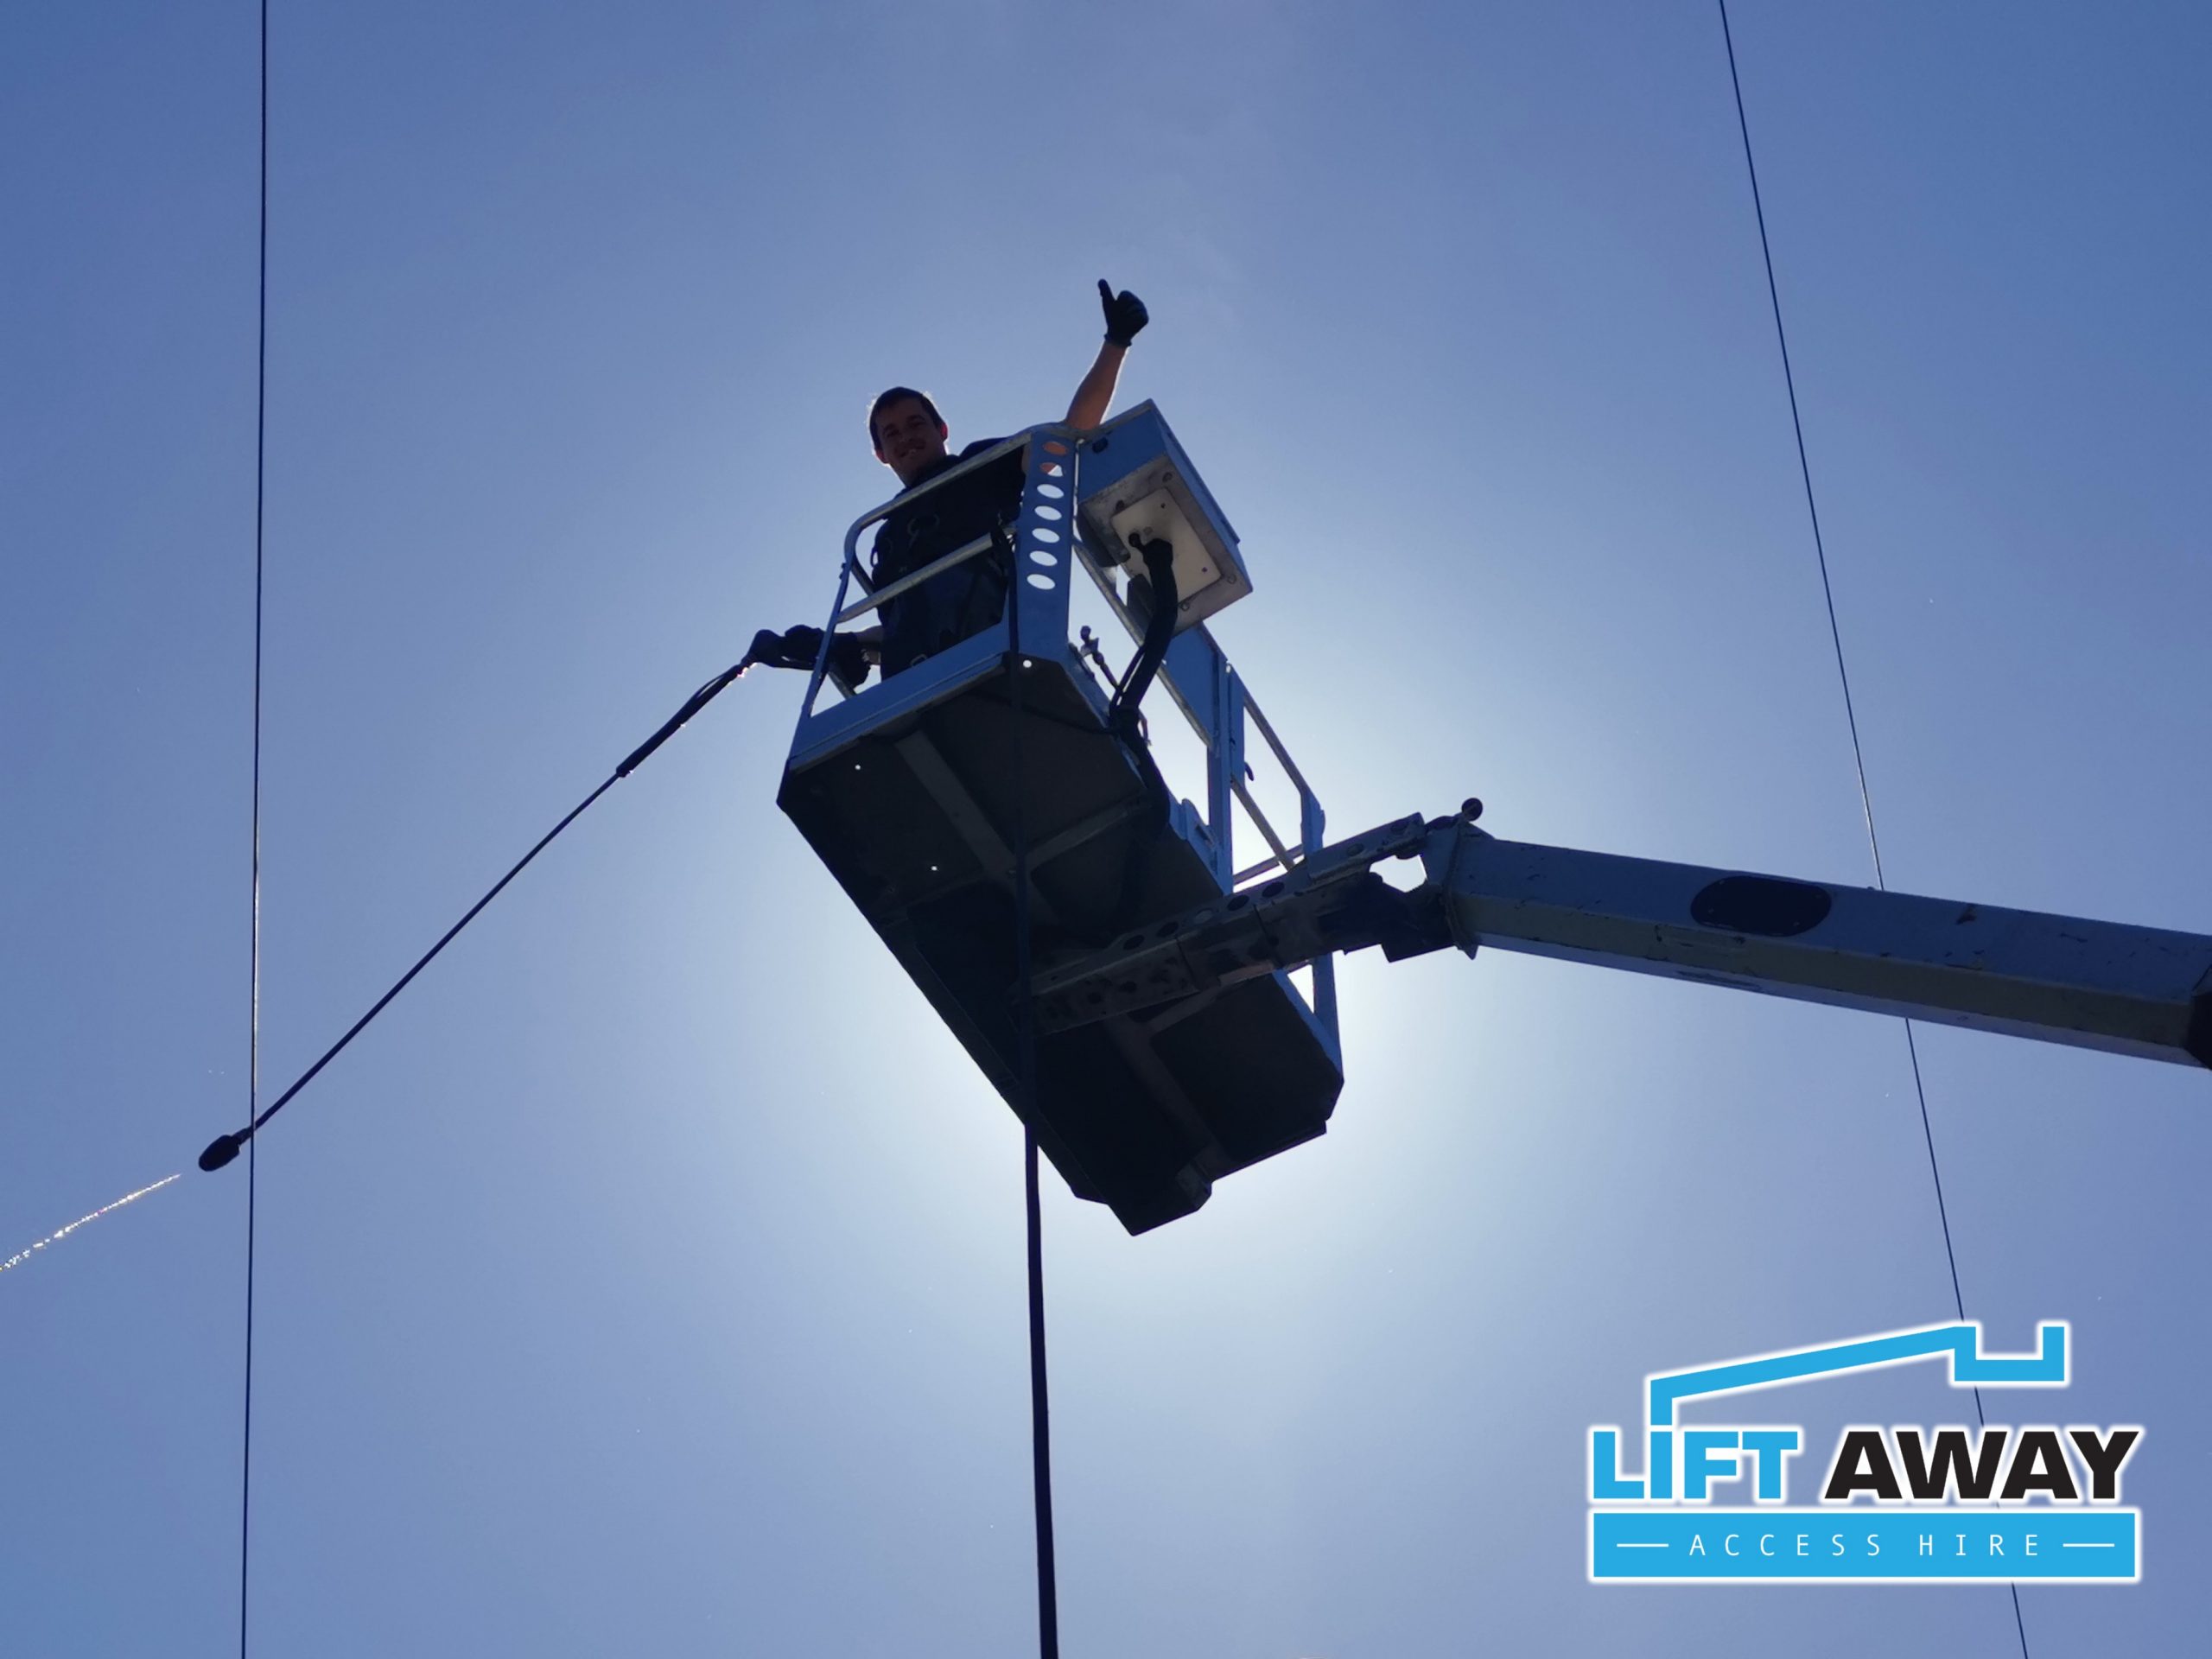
{"x":1969,"y":1365}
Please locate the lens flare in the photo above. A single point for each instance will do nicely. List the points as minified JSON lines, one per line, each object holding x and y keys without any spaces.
{"x":55,"y":1237}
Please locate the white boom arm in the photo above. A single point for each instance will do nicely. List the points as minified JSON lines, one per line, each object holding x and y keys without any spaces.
{"x":2144,"y":991}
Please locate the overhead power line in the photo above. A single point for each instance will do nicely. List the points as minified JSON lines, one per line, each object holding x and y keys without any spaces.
{"x":1850,"y":713}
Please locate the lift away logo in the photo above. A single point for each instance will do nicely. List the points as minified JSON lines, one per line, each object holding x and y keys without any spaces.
{"x":1897,"y":1505}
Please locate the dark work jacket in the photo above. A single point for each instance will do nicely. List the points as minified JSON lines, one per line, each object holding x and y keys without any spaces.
{"x":967,"y":599}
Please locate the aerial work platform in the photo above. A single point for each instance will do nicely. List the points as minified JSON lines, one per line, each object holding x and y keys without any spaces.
{"x":1173,"y":1045}
{"x":922,"y":791}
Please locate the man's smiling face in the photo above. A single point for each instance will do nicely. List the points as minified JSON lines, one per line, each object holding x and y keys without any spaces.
{"x":909,"y":438}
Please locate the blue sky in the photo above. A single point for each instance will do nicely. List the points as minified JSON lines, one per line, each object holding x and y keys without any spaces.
{"x":650,"y":1278}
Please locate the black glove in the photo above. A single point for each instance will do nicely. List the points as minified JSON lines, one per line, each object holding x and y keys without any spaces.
{"x":1125,"y":313}
{"x":798,"y":648}
{"x":848,"y":659}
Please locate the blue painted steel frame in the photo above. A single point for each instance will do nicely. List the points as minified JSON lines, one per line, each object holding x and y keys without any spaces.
{"x":1062,"y":467}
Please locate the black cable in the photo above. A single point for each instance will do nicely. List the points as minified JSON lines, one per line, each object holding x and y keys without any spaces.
{"x":1040,"y":1416}
{"x":224,"y":1148}
{"x":1123,"y":711}
{"x":1025,"y":1027}
{"x":253,"y":954}
{"x":1851,"y":718}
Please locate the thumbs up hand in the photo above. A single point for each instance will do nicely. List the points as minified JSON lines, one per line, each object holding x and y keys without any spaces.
{"x":1125,"y":313}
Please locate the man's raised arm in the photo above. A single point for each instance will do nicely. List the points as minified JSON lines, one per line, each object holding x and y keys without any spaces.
{"x":1125,"y":315}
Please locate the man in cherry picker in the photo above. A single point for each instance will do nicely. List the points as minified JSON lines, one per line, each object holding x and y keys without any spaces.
{"x":910,"y":437}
